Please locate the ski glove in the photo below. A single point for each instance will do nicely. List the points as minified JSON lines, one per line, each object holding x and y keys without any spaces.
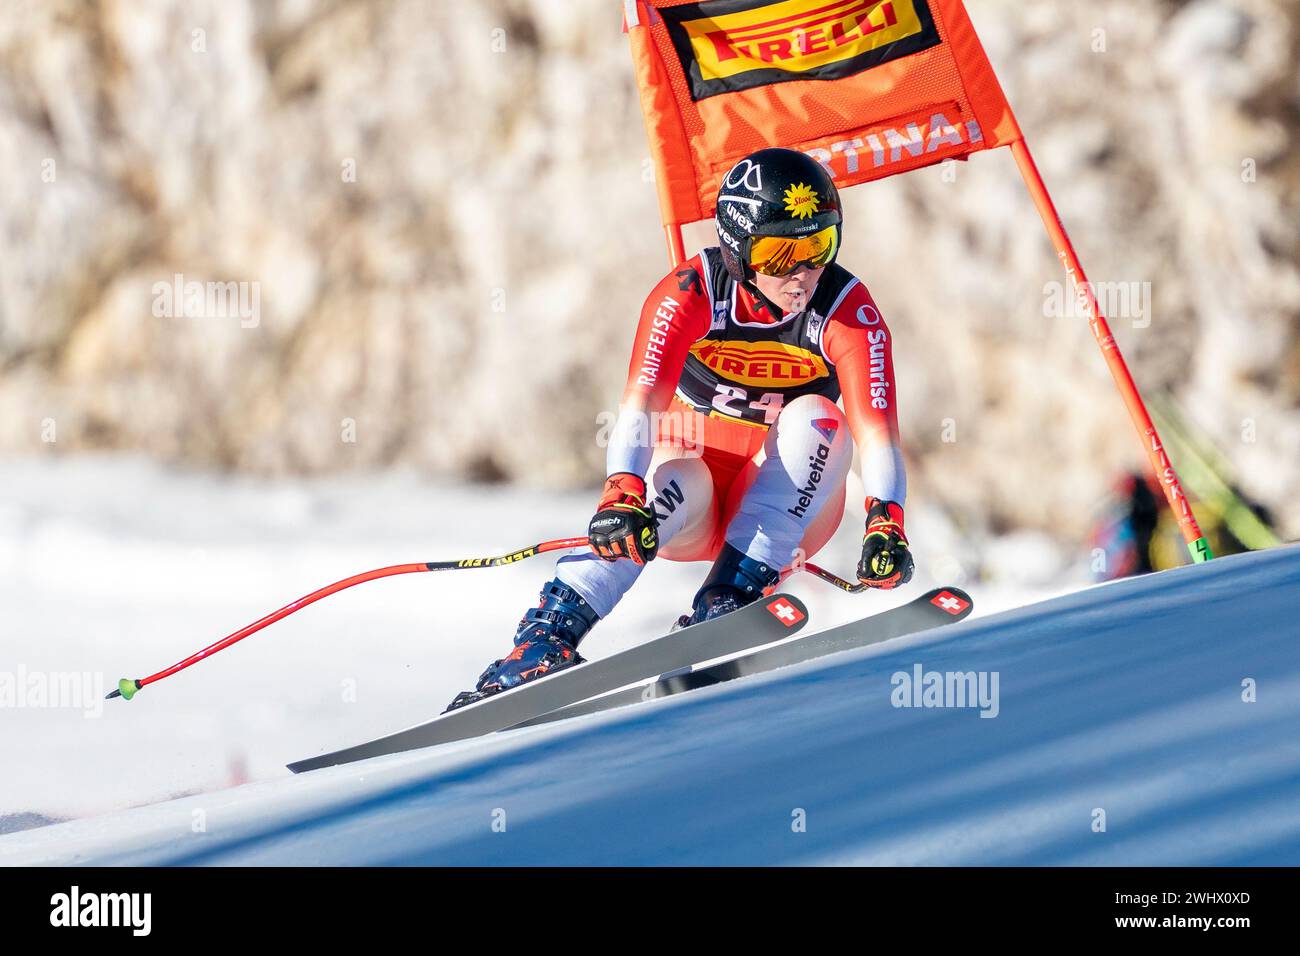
{"x":623,"y":526}
{"x":886,"y":559}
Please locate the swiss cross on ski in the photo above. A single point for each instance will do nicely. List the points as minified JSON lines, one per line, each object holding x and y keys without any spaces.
{"x":785,"y":612}
{"x":949,"y":602}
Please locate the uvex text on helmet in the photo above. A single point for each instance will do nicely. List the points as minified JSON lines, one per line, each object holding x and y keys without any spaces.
{"x":773,"y":192}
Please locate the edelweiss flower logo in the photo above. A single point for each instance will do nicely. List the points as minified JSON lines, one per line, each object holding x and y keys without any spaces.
{"x":801,"y":201}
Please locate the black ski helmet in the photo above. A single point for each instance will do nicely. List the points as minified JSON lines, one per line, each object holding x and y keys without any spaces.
{"x":773,"y":192}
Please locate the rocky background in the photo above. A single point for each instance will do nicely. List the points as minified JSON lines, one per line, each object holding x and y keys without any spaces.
{"x":447,"y":213}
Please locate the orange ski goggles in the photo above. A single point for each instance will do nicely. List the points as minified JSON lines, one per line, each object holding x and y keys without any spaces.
{"x":780,"y":255}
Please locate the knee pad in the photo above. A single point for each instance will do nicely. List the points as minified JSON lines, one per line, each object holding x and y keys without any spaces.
{"x":680,"y":488}
{"x":809,"y":418}
{"x":812,"y":431}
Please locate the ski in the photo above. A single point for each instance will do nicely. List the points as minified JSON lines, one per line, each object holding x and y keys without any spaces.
{"x":945,"y":605}
{"x":765,"y":621}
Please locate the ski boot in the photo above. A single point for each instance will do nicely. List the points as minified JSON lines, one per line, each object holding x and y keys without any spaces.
{"x":545,"y":641}
{"x":734,"y":581}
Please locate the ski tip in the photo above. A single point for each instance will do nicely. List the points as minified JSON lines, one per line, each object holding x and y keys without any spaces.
{"x":310,"y":763}
{"x":126,"y":689}
{"x":951,"y":599}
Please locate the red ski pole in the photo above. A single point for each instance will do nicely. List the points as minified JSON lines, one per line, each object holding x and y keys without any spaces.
{"x":832,"y":578}
{"x":127,"y":688}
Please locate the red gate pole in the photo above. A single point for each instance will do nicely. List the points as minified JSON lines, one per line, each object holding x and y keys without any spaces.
{"x":1155,"y":449}
{"x":676,"y":243}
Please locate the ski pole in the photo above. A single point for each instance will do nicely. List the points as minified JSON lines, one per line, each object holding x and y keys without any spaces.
{"x":127,"y":688}
{"x":830,"y":577}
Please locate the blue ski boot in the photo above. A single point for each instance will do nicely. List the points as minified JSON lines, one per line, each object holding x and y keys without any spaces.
{"x":546,"y":641}
{"x":734,"y":581}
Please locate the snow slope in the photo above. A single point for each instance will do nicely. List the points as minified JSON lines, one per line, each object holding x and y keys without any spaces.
{"x":1125,"y":698}
{"x":113,"y":567}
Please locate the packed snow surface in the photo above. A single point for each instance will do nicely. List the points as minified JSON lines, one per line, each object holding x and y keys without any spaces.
{"x":1149,"y":721}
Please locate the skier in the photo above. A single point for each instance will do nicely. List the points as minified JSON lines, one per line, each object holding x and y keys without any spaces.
{"x":729,"y":445}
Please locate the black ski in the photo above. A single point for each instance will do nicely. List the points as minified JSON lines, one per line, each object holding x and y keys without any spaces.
{"x":771,"y":619}
{"x":941,"y":606}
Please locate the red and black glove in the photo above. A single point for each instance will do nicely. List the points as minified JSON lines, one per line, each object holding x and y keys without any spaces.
{"x":624,"y":526}
{"x":886,"y":559}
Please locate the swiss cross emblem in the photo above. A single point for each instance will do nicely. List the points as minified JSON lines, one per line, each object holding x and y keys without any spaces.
{"x":785,"y":612}
{"x":949,"y":602}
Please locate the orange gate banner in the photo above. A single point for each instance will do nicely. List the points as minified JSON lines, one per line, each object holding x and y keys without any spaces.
{"x":870,"y":88}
